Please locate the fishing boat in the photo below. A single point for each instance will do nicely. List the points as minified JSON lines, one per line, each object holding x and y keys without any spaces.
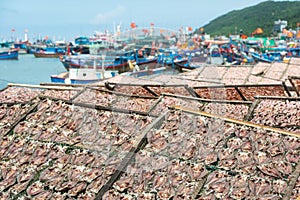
{"x":169,"y":57}
{"x":195,"y":60}
{"x":49,"y":52}
{"x":119,"y":63}
{"x":82,"y":76}
{"x":116,"y":61}
{"x":262,"y":57}
{"x":187,"y":66}
{"x":22,"y":47}
{"x":9,"y":55}
{"x":215,"y":55}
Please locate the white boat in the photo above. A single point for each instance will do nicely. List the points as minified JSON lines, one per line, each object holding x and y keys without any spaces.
{"x":82,"y":76}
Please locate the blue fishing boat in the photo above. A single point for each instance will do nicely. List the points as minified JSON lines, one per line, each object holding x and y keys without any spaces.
{"x":259,"y":58}
{"x":22,"y":46}
{"x":9,"y":55}
{"x":169,"y":57}
{"x":116,"y":61}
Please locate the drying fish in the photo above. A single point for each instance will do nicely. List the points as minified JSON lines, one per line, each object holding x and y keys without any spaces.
{"x":4,"y":195}
{"x":35,"y":188}
{"x":96,"y":185}
{"x":90,"y":175}
{"x":59,"y":196}
{"x":228,"y":164}
{"x":123,"y":184}
{"x":66,"y":186}
{"x":269,"y":169}
{"x":19,"y":187}
{"x":4,"y":184}
{"x":46,"y":195}
{"x":159,"y":181}
{"x":292,"y":156}
{"x":165,"y":193}
{"x":234,"y":143}
{"x":177,"y":179}
{"x":86,"y":196}
{"x":244,"y":158}
{"x":220,"y":187}
{"x":55,"y":182}
{"x":283,"y":167}
{"x":197,"y":171}
{"x":26,"y":175}
{"x":211,"y":157}
{"x":239,"y":192}
{"x":279,"y":186}
{"x":80,"y":187}
{"x":276,"y":149}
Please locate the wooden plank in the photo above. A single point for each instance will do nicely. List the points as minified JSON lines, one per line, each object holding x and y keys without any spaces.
{"x":72,"y":85}
{"x":240,"y":93}
{"x":42,"y":87}
{"x":292,"y":182}
{"x":240,"y":86}
{"x":294,"y":86}
{"x":206,"y":100}
{"x":98,"y":107}
{"x":154,"y":105}
{"x":236,"y":121}
{"x":78,"y":93}
{"x":200,"y":185}
{"x":150,"y":91}
{"x":278,"y":98}
{"x":123,"y":94}
{"x":251,"y":109}
{"x":148,"y":85}
{"x":191,"y":91}
{"x":199,"y":80}
{"x":286,"y":89}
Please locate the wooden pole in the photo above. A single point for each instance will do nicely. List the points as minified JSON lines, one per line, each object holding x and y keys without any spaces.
{"x":42,"y":87}
{"x":239,"y":122}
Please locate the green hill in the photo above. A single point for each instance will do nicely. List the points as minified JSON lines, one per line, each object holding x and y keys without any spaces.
{"x":261,"y":15}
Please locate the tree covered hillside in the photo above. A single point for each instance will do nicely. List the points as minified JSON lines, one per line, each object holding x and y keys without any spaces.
{"x":262,"y":15}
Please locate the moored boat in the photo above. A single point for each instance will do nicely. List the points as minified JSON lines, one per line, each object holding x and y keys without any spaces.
{"x":22,"y":47}
{"x":9,"y":55}
{"x":82,"y":76}
{"x":49,"y":52}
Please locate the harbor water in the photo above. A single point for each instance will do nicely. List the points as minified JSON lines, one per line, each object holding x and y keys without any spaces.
{"x":29,"y":70}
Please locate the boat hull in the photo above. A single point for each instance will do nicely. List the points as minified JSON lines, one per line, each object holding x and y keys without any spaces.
{"x":56,"y":79}
{"x":82,"y":76}
{"x":9,"y":55}
{"x":47,"y":55}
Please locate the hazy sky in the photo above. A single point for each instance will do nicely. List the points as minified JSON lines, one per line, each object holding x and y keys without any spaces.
{"x":66,"y":19}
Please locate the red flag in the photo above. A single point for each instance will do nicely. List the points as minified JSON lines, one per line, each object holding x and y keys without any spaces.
{"x":133,"y":25}
{"x":151,"y":24}
{"x":13,"y":30}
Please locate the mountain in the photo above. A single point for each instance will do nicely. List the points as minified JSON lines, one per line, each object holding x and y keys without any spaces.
{"x":261,"y":15}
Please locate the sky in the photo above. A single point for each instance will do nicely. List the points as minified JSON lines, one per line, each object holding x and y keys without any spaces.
{"x":66,"y":19}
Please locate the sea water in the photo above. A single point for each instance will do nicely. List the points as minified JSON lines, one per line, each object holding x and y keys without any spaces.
{"x":29,"y":70}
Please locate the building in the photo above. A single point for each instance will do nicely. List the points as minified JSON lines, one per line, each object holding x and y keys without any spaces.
{"x":279,"y":25}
